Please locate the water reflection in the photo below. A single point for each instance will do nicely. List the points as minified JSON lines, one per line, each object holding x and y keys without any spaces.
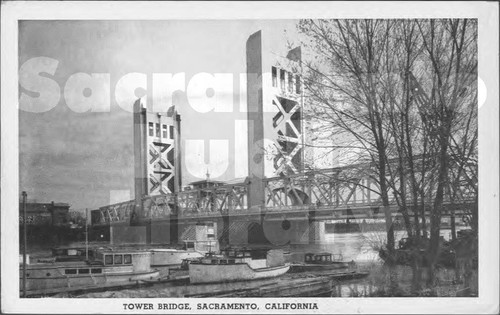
{"x":358,"y":246}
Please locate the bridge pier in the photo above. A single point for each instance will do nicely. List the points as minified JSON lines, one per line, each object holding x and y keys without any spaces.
{"x":316,"y":232}
{"x":173,"y":229}
{"x":127,"y":234}
{"x":277,"y":232}
{"x":316,"y":228}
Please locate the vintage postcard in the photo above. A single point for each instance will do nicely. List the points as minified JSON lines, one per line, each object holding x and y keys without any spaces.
{"x":249,"y":157}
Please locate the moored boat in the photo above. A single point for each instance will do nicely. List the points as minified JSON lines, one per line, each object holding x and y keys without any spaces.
{"x":235,"y":265}
{"x":169,"y":261}
{"x":107,"y":268}
{"x":321,"y":262}
{"x":162,"y":256}
{"x":173,"y":257}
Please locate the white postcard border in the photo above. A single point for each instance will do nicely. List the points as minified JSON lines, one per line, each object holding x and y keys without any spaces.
{"x":486,"y":12}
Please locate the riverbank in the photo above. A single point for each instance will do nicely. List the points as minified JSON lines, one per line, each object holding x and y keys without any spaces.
{"x":399,"y":281}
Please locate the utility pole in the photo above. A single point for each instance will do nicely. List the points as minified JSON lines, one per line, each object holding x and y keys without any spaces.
{"x":174,"y":217}
{"x":25,"y":245}
{"x":86,"y":234}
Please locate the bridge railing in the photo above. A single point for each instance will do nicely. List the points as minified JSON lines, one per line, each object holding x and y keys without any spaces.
{"x":159,"y":206}
{"x":215,"y":200}
{"x":330,"y":188}
{"x":345,"y":188}
{"x":112,"y":214}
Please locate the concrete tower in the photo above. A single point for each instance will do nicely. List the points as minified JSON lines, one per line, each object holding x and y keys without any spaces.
{"x":156,"y":150}
{"x":276,"y":130}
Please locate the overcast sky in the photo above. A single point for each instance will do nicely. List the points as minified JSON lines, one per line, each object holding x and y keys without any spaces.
{"x":86,"y":159}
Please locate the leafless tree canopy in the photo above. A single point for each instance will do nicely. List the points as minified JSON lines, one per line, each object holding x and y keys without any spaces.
{"x":402,"y":95}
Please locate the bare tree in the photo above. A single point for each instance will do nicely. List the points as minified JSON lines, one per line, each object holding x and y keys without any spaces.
{"x":345,"y":84}
{"x":451,"y":49}
{"x":400,"y":94}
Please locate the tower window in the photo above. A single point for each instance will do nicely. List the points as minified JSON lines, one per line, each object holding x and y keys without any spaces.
{"x":274,"y":76}
{"x":290,"y":82}
{"x":171,"y":132}
{"x":164,"y":131}
{"x":282,"y":79}
{"x":158,"y":130}
{"x":151,"y":127}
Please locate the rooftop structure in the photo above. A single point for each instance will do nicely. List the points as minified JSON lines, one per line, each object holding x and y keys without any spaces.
{"x":45,"y":213}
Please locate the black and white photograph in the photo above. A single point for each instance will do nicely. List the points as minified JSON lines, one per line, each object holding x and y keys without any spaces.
{"x":249,"y":157}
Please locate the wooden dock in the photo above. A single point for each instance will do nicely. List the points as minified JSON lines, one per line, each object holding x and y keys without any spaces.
{"x":305,"y":285}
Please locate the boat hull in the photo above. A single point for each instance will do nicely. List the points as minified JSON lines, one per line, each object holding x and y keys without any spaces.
{"x":207,"y":273}
{"x":52,"y":285}
{"x":56,"y":284}
{"x":318,"y":267}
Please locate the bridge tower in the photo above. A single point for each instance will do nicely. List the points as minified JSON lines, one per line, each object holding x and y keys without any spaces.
{"x":156,"y":160}
{"x":277,"y":130}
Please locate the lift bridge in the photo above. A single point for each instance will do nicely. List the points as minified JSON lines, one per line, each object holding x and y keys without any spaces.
{"x":279,"y":189}
{"x":327,"y":194}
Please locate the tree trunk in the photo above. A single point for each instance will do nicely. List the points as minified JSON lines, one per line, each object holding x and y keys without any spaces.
{"x":452,"y":225}
{"x":416,"y":272}
{"x":385,"y":203}
{"x":433,"y":251}
{"x":417,"y":224}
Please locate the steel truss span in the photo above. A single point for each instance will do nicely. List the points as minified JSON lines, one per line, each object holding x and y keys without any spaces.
{"x":327,"y":194}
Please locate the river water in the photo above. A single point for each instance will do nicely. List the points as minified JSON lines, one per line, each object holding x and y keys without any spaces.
{"x":360,"y":247}
{"x":363,"y":249}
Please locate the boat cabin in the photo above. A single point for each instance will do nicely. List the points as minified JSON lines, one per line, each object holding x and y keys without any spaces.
{"x":82,"y":271}
{"x":111,"y":259}
{"x":244,"y":252}
{"x":255,"y":258}
{"x":318,"y":258}
{"x":71,"y":253}
{"x":139,"y":260}
{"x":201,"y":246}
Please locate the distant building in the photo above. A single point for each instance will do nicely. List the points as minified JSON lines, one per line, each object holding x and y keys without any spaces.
{"x":210,"y":183}
{"x":206,"y":183}
{"x":55,"y":214}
